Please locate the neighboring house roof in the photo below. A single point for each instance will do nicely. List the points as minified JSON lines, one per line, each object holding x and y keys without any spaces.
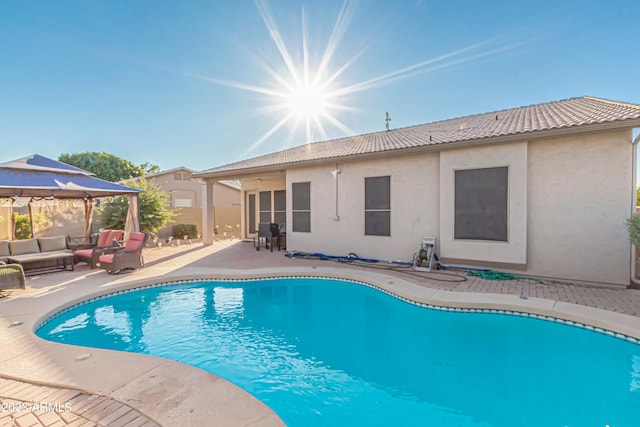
{"x":157,"y":174}
{"x":235,"y":185}
{"x":181,"y":169}
{"x":553,"y":117}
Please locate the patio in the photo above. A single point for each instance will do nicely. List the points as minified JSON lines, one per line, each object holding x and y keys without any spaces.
{"x":146,"y":390}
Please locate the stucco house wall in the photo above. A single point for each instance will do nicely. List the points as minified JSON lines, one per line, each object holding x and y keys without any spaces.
{"x":568,"y":200}
{"x":414,"y":207}
{"x":579,"y":197}
{"x":184,"y":189}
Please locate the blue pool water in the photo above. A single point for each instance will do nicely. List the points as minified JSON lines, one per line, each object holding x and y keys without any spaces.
{"x":331,"y":353}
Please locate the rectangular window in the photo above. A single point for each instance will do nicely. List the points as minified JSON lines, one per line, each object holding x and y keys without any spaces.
{"x":265,"y":206}
{"x":377,"y":206}
{"x":481,"y":201}
{"x":280,"y":207}
{"x":183,"y":203}
{"x":301,"y":211}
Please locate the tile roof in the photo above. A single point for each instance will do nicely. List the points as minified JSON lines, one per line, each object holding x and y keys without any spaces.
{"x":169,"y":171}
{"x":557,"y":115}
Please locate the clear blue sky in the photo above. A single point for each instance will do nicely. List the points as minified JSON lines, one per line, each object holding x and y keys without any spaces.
{"x":172,"y":82}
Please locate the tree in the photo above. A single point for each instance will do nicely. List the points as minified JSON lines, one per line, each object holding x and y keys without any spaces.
{"x":149,"y":168}
{"x":107,"y":166}
{"x":154,"y":211}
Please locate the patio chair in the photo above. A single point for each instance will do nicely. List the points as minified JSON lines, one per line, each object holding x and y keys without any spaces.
{"x":115,"y":260}
{"x":90,"y":253}
{"x":267,"y":231}
{"x":11,"y":276}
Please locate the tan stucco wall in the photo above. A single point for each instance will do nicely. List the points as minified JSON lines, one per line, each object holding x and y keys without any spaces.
{"x":580,"y":191}
{"x":568,"y":199}
{"x":191,"y":189}
{"x":227,"y":210}
{"x":414,"y":207}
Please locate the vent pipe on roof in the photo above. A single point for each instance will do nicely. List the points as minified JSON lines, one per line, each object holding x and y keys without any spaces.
{"x":387,"y":120}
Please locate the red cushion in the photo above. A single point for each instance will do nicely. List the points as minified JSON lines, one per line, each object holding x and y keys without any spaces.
{"x":85,"y":253}
{"x":106,"y":258}
{"x":135,"y":240}
{"x":103,"y":240}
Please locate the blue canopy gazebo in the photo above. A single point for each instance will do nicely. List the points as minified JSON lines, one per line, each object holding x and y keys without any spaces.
{"x":40,"y":178}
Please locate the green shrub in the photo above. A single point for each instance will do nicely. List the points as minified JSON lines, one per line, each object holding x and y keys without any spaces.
{"x":154,"y":213}
{"x":633,"y":226}
{"x":181,"y":230}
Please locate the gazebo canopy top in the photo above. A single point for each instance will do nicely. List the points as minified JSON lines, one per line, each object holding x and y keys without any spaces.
{"x":38,"y":176}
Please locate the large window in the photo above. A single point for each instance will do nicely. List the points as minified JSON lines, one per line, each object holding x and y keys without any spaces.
{"x":301,"y":201}
{"x":377,"y":206}
{"x":481,"y":200}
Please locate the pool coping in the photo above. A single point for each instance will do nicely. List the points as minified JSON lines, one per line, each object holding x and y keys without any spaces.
{"x":170,"y":392}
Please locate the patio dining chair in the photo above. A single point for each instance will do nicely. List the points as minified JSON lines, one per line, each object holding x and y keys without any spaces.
{"x":90,"y":253}
{"x":115,"y":260}
{"x":270,"y":232}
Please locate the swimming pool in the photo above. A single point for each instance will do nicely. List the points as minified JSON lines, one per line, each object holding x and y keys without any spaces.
{"x":325,"y":352}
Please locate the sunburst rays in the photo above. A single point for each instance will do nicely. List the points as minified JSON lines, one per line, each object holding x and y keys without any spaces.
{"x":309,"y":96}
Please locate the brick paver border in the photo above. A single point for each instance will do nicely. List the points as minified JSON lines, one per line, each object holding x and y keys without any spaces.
{"x":29,"y":404}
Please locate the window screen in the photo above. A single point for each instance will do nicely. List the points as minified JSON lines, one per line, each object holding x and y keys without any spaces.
{"x":377,"y":206}
{"x":301,"y":201}
{"x":481,"y":200}
{"x":265,"y":206}
{"x":181,"y":176}
{"x":183,"y":203}
{"x":280,"y":207}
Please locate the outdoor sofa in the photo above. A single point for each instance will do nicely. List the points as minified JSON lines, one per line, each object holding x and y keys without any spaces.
{"x":36,"y":255}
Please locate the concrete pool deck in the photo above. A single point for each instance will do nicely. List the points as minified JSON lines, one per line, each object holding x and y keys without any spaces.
{"x":104,"y":387}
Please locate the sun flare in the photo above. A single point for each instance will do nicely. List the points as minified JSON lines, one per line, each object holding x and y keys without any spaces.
{"x":307,"y":95}
{"x":307,"y":101}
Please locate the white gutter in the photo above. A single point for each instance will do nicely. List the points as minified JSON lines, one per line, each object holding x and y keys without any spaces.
{"x":634,"y":202}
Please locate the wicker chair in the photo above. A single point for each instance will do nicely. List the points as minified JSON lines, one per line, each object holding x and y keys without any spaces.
{"x":90,"y":253}
{"x":118,"y":259}
{"x":11,"y":276}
